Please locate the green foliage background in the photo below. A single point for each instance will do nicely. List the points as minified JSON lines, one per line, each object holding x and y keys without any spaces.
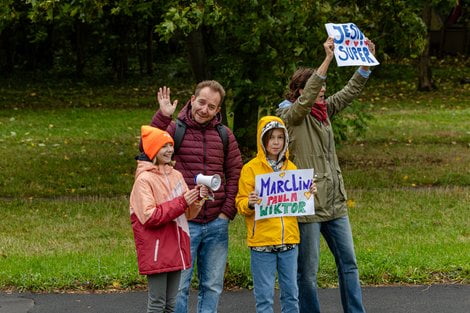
{"x":252,"y":48}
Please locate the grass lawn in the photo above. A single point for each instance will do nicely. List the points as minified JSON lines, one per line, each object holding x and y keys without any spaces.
{"x":69,"y":151}
{"x":66,"y":173}
{"x":401,"y":236}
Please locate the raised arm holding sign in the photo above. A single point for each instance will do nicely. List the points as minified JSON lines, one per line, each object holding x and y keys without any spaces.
{"x":307,"y":112}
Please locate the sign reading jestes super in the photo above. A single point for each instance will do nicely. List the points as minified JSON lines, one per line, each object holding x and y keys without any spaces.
{"x":351,"y":46}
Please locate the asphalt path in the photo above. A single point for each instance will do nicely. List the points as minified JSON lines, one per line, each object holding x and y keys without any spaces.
{"x":401,"y":299}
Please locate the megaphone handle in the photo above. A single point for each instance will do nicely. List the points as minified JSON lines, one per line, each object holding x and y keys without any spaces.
{"x":208,"y":197}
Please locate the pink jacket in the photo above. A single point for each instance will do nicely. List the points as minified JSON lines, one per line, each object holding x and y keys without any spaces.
{"x":202,"y":151}
{"x":157,"y":208}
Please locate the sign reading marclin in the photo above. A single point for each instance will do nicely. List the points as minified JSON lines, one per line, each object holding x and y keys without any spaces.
{"x":284,"y":193}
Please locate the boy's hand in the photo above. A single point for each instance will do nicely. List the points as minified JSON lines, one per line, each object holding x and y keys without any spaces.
{"x":313,"y":188}
{"x":253,"y":199}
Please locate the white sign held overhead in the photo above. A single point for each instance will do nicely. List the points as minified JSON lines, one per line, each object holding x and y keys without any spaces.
{"x":351,"y":46}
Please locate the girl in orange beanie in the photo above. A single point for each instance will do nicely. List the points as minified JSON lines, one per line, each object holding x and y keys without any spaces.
{"x":160,"y":204}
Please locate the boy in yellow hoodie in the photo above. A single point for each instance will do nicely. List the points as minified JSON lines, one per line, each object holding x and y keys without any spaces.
{"x":272,"y":241}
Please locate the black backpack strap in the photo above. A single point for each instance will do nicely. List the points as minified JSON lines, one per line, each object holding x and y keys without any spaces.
{"x":224,"y":136}
{"x":179,"y":134}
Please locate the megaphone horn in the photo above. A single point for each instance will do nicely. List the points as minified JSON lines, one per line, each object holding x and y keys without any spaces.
{"x":211,"y":181}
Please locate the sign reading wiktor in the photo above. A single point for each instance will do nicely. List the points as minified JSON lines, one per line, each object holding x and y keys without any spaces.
{"x":284,"y":193}
{"x":351,"y":46}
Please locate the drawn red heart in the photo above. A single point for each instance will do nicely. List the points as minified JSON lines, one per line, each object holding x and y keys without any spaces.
{"x":356,"y":43}
{"x":346,"y":42}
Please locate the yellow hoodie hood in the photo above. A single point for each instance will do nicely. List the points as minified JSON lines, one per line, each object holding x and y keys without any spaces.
{"x":265,"y":124}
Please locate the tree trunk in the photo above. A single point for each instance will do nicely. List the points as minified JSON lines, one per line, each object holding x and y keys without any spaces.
{"x":8,"y":44}
{"x":246,"y":121}
{"x":137,"y":47}
{"x":198,"y":61}
{"x":41,"y":55}
{"x":120,"y":26}
{"x":78,"y":43}
{"x":197,"y":55}
{"x":149,"y":50}
{"x":425,"y":81}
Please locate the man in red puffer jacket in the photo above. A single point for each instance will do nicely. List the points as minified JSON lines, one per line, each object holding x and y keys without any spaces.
{"x":202,"y":152}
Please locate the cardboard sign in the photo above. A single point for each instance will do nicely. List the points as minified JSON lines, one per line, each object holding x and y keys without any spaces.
{"x":351,"y":46}
{"x":284,"y":193}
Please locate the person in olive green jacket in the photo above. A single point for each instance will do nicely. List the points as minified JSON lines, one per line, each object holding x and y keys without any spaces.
{"x":307,"y":115}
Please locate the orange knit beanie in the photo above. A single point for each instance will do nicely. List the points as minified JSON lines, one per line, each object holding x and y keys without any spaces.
{"x":153,"y":139}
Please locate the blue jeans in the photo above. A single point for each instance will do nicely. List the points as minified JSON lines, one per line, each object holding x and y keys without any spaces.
{"x":338,"y":236}
{"x":209,"y":248}
{"x":263,"y":268}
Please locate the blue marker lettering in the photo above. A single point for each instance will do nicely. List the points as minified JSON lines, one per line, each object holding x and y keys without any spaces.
{"x":286,"y":185}
{"x":340,"y":31}
{"x":366,"y":54}
{"x":264,"y":185}
{"x":306,"y":185}
{"x":346,"y":31}
{"x":343,"y":55}
{"x":357,"y":33}
{"x":280,"y":185}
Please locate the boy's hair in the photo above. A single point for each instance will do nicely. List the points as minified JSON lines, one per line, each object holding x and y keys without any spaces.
{"x":266,"y":137}
{"x":298,"y":81}
{"x":212,"y":84}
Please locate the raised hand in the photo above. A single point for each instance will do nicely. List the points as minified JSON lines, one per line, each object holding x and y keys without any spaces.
{"x":163,"y":97}
{"x":371,"y":47}
{"x":329,"y":47}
